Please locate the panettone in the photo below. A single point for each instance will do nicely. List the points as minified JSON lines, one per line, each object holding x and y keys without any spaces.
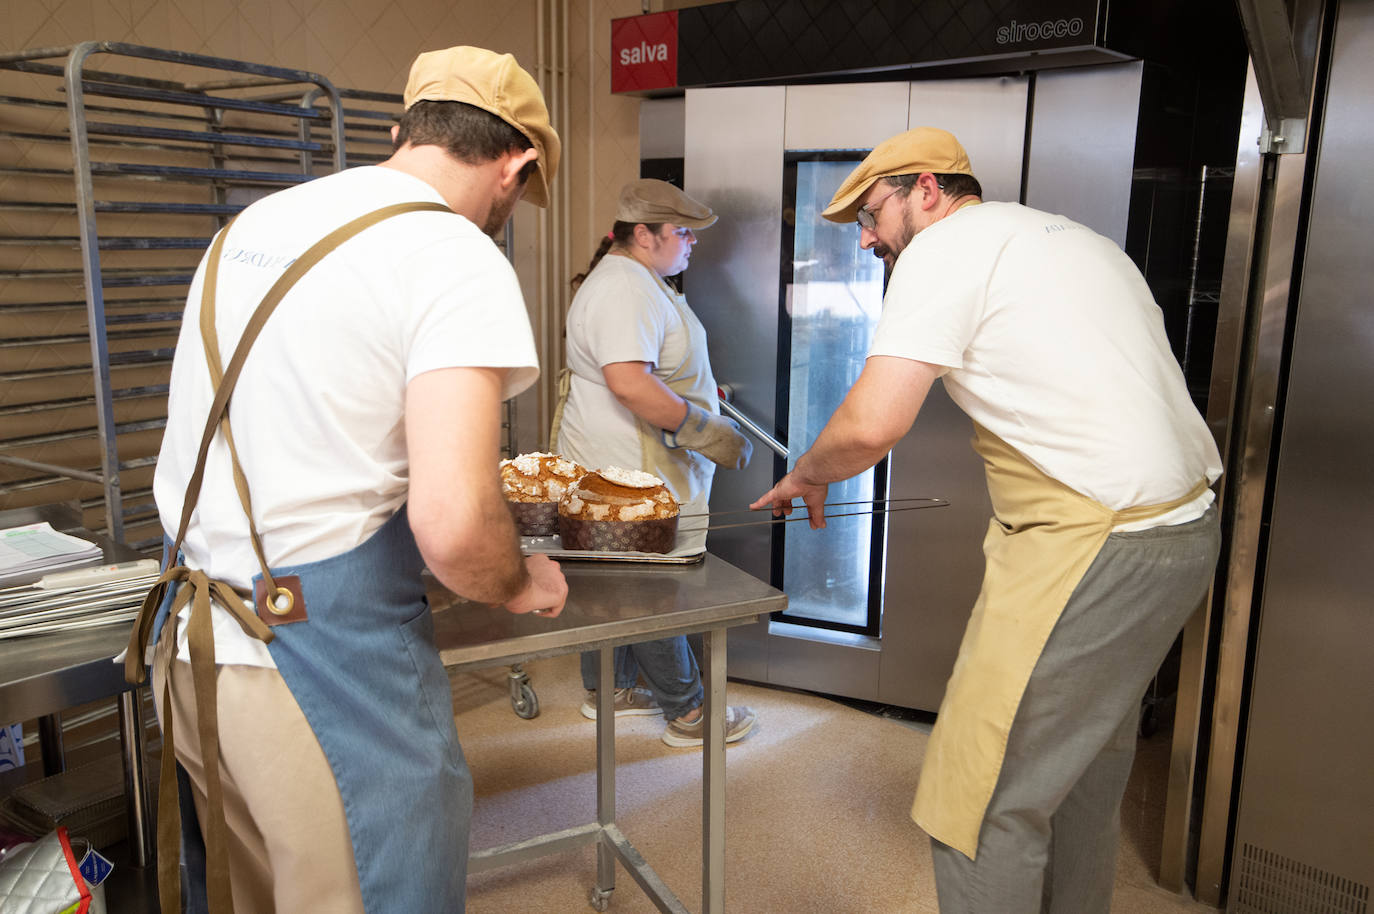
{"x":619,"y":510}
{"x":533,"y":484}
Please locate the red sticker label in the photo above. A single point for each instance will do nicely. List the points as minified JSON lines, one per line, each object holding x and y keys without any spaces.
{"x":644,"y":52}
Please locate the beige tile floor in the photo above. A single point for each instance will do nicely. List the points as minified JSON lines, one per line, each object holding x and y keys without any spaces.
{"x":817,"y":806}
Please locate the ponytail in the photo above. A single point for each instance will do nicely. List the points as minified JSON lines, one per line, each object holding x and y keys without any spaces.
{"x":601,"y":249}
{"x":620,"y":233}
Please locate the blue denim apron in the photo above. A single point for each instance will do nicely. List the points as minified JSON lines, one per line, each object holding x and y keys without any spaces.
{"x":366,"y":674}
{"x":361,"y":664}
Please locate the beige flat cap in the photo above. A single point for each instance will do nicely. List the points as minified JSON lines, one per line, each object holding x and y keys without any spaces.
{"x":495,"y":83}
{"x":652,"y":200}
{"x":919,"y":150}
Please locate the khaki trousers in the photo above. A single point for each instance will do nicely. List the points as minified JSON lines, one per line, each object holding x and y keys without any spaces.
{"x":289,"y":847}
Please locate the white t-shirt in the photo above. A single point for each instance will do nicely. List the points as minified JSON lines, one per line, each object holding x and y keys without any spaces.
{"x":1053,"y":342}
{"x":318,"y":412}
{"x":621,"y":313}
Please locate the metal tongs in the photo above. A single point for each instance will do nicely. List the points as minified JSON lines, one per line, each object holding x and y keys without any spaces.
{"x":875,"y":506}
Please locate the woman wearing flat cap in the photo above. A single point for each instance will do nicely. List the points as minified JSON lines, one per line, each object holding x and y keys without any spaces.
{"x":640,"y":395}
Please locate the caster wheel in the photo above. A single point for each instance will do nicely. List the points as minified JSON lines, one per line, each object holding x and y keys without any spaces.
{"x":526,"y":705}
{"x":1149,"y":722}
{"x":599,"y":900}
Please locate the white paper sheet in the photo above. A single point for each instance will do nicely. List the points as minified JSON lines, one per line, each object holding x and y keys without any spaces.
{"x":38,"y":547}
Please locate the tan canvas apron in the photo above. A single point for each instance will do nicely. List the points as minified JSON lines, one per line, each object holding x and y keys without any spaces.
{"x":687,"y":473}
{"x":199,"y":589}
{"x":1040,"y":542}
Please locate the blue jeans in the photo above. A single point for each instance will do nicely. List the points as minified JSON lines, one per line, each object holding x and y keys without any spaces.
{"x":669,"y":668}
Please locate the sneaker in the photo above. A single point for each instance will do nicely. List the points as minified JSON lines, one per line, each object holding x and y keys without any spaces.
{"x":628,"y":702}
{"x":739,"y":720}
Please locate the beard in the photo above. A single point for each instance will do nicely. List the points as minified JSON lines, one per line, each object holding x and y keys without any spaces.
{"x":889,"y":255}
{"x":884,"y":253}
{"x":500,"y":211}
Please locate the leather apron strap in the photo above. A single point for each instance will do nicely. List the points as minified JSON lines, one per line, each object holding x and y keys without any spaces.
{"x":200,"y":590}
{"x":210,"y":343}
{"x":562,"y":387}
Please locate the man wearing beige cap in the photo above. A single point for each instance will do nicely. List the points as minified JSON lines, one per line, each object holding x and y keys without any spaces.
{"x":1103,"y":540}
{"x":369,"y":329}
{"x":640,"y":395}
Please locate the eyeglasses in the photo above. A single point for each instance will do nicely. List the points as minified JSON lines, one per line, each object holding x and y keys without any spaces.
{"x":867,"y":215}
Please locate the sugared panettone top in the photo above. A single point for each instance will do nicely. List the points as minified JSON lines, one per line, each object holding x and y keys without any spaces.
{"x":538,"y":477}
{"x":618,"y":494}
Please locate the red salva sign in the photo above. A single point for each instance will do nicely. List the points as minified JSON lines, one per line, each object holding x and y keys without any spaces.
{"x":644,"y":52}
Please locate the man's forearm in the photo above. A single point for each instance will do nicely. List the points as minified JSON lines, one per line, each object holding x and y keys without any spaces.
{"x":837,"y":454}
{"x":479,"y":559}
{"x":878,"y":410}
{"x":460,"y":520}
{"x":495,"y":579}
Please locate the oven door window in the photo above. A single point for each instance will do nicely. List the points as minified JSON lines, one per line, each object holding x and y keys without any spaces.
{"x":832,"y":294}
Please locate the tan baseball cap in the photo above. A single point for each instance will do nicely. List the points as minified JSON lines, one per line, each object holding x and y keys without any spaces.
{"x":919,"y":150}
{"x":652,"y":200}
{"x":496,"y":83}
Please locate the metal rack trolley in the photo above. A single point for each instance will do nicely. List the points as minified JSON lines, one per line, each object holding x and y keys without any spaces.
{"x":144,"y":148}
{"x":117,"y":164}
{"x":155,"y":164}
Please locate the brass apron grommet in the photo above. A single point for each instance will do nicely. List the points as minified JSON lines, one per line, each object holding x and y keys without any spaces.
{"x":274,"y":607}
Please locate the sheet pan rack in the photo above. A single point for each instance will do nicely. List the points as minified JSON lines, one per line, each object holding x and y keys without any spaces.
{"x":118,"y":163}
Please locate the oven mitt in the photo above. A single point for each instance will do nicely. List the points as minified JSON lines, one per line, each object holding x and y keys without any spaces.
{"x":717,"y":438}
{"x":43,"y":878}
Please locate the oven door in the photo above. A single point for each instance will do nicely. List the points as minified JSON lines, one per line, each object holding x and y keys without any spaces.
{"x":877,"y":603}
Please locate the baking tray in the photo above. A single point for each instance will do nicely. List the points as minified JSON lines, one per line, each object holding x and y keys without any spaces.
{"x":552,"y":546}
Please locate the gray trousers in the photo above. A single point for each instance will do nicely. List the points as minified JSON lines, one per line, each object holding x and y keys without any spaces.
{"x":1049,"y":838}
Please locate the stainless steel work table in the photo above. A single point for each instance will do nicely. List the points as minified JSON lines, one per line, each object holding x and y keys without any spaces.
{"x":610,"y":604}
{"x":41,"y":675}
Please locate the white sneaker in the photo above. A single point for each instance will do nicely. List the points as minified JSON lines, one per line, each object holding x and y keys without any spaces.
{"x":628,"y":703}
{"x":739,"y":720}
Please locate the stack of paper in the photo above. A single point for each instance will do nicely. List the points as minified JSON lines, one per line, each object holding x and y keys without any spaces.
{"x":38,"y":547}
{"x":78,"y":599}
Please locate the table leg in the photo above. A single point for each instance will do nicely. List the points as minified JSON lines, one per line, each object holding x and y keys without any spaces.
{"x":135,"y":781}
{"x":50,"y":744}
{"x":605,"y":775}
{"x":713,"y":776}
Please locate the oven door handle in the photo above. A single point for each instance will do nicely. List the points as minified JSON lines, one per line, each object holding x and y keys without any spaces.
{"x":750,"y":425}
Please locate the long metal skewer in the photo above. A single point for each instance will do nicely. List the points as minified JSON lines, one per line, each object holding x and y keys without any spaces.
{"x":788,"y":520}
{"x":936,"y":502}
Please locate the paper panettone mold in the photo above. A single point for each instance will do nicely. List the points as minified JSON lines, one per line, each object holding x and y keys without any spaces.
{"x":618,"y":510}
{"x":532,"y":485}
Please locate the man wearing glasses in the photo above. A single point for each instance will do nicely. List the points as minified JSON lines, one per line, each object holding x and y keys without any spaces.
{"x":1103,"y":540}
